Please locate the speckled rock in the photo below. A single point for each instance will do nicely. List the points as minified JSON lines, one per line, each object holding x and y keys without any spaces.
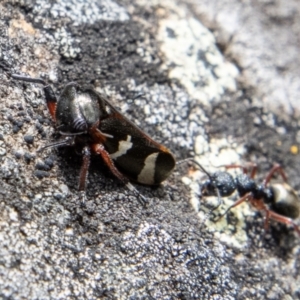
{"x":165,"y":66}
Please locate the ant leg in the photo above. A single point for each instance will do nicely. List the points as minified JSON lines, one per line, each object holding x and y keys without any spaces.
{"x":238,"y":202}
{"x":279,"y":218}
{"x":245,"y":169}
{"x":276,"y":168}
{"x":267,"y":220}
{"x":51,"y":99}
{"x":99,"y":149}
{"x":253,"y":170}
{"x":234,"y":166}
{"x":260,"y":206}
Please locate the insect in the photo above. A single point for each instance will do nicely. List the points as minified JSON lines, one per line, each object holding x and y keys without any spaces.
{"x":279,"y":201}
{"x":86,"y":119}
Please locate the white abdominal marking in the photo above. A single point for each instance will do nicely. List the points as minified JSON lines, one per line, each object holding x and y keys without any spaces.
{"x":124,"y":146}
{"x":147,"y":174}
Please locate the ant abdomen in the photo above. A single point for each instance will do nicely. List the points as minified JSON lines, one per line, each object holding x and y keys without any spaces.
{"x":285,"y":200}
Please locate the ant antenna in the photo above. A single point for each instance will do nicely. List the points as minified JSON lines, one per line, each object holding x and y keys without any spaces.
{"x":211,"y":180}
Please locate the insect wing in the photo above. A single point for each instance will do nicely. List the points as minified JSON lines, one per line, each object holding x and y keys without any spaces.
{"x":135,"y":153}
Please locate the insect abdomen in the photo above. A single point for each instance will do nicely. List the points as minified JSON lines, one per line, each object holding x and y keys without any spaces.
{"x":146,"y":165}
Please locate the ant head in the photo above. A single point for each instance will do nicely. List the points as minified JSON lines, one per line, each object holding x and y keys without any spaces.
{"x":220,"y":183}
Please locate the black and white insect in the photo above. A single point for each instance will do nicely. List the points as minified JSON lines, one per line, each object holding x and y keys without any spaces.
{"x":86,"y":119}
{"x":279,"y":201}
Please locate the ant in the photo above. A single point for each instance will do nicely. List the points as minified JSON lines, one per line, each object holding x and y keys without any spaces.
{"x":279,"y":201}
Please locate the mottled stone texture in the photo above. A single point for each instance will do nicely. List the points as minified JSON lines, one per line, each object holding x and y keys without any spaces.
{"x":185,"y":76}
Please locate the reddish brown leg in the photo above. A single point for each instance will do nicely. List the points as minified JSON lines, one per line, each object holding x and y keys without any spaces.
{"x":279,"y":218}
{"x":238,"y":202}
{"x":245,"y":169}
{"x":267,"y":220}
{"x":241,"y":200}
{"x":99,"y":149}
{"x":234,"y":166}
{"x":253,"y":170}
{"x":276,"y":168}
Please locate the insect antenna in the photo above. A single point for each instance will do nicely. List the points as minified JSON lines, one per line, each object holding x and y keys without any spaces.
{"x":68,"y":141}
{"x":212,"y":181}
{"x":27,"y":79}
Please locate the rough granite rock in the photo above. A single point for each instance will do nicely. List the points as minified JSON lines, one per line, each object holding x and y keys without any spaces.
{"x":201,"y":79}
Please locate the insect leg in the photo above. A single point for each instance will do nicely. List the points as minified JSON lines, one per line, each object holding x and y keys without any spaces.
{"x":99,"y":149}
{"x":279,"y":218}
{"x":238,"y":202}
{"x":245,"y":168}
{"x":276,"y":168}
{"x":267,"y":220}
{"x":253,"y":170}
{"x":86,"y":152}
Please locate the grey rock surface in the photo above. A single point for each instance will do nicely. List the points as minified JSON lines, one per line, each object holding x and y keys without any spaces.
{"x":262,"y":38}
{"x":193,"y":89}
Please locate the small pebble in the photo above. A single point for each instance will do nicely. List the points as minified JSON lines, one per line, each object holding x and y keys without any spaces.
{"x":29,"y":139}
